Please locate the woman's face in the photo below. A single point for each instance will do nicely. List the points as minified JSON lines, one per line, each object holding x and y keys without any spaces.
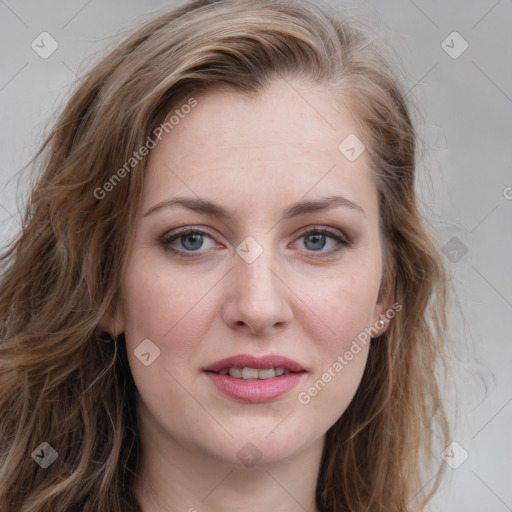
{"x":259,"y":277}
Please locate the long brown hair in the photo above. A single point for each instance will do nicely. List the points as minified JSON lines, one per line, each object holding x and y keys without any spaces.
{"x":62,"y":271}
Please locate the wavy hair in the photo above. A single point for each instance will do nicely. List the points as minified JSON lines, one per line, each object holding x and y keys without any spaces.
{"x":61,"y":272}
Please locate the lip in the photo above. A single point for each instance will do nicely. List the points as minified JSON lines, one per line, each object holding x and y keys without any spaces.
{"x":255,"y":390}
{"x":249,"y":361}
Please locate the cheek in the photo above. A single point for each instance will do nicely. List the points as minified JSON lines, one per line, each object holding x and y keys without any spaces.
{"x":159,"y":301}
{"x":342,"y":356}
{"x":345,"y":305}
{"x":164,"y":308}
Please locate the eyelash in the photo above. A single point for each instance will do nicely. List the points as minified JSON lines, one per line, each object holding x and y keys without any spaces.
{"x":167,"y":238}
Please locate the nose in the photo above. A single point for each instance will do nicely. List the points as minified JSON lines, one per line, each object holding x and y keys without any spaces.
{"x":257,"y":298}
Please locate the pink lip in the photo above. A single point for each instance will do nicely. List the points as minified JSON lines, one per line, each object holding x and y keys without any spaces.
{"x":255,"y":390}
{"x":246,"y":360}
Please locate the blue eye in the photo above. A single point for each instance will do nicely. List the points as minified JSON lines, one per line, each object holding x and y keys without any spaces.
{"x":191,"y":240}
{"x":315,"y":239}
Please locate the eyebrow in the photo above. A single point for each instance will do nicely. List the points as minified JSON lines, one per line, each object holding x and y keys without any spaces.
{"x":299,"y":208}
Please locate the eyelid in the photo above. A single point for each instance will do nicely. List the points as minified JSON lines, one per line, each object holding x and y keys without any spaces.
{"x":175,"y":234}
{"x":318,"y":228}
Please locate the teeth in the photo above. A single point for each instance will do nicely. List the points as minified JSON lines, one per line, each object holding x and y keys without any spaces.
{"x":266,"y":373}
{"x":235,"y":372}
{"x":253,"y":373}
{"x":249,"y":373}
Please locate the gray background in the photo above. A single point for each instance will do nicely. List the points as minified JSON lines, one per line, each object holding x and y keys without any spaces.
{"x":466,"y":107}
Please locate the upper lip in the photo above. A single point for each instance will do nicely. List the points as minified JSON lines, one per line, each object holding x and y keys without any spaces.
{"x":249,"y":361}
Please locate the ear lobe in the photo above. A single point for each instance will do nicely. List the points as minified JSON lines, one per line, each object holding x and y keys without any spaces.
{"x":112,"y":320}
{"x":385,"y":301}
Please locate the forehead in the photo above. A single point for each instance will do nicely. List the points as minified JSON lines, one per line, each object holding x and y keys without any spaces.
{"x":283,"y":143}
{"x":298,"y":115}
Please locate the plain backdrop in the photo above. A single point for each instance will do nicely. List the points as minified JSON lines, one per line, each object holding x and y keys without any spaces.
{"x":454,"y":58}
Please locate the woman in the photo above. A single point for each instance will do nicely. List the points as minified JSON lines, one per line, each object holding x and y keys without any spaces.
{"x":223,"y":296}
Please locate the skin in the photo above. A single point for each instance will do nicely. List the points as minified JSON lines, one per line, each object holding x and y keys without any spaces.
{"x":254,"y":157}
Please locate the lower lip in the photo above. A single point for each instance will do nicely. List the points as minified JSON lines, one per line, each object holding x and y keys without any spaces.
{"x":255,"y":390}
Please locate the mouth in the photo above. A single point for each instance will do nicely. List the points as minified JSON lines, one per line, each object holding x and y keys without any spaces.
{"x":247,"y":373}
{"x":246,"y":366}
{"x":254,"y":379}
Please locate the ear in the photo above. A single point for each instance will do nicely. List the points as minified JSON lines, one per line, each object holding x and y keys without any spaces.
{"x":384,"y":303}
{"x":112,"y":320}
